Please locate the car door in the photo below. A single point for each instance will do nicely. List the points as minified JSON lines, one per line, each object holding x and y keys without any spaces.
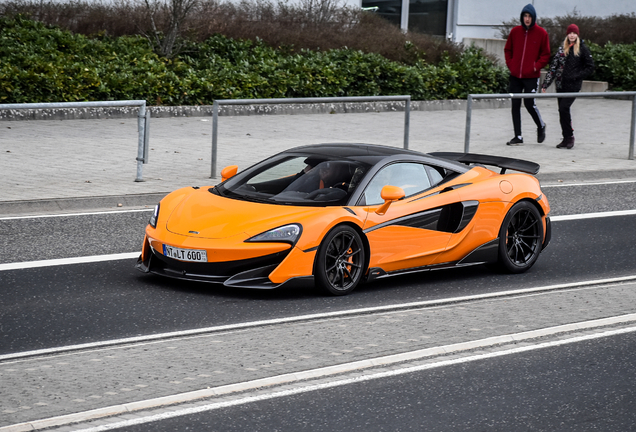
{"x":414,"y":230}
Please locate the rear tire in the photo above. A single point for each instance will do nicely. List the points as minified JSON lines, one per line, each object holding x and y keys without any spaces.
{"x":520,"y":238}
{"x":340,"y":261}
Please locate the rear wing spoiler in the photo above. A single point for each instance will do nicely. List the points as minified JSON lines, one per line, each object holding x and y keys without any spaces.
{"x":499,"y":161}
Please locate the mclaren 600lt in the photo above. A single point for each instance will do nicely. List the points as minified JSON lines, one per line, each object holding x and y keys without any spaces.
{"x":336,"y":215}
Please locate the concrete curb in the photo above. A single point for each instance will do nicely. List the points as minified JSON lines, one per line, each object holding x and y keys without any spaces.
{"x":63,"y":205}
{"x":585,"y":176}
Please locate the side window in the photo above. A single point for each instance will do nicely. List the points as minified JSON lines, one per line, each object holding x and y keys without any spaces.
{"x":436,"y":175}
{"x":411,"y":177}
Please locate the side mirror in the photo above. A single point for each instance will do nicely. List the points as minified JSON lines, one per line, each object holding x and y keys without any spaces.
{"x":229,"y":172}
{"x":389,"y":194}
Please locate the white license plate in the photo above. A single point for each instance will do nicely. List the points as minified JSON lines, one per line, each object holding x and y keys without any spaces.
{"x":185,"y":254}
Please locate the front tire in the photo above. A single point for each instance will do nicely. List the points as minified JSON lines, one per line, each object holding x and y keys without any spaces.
{"x":520,"y":238}
{"x":340,"y":261}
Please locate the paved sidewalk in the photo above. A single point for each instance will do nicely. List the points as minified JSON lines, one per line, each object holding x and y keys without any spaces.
{"x":62,"y":160}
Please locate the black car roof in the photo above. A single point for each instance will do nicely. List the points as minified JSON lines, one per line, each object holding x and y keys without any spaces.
{"x":348,"y":150}
{"x":371,"y":153}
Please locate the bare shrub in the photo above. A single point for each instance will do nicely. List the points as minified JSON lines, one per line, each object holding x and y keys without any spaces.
{"x":89,"y":18}
{"x":166,"y":19}
{"x":297,"y":27}
{"x":310,"y":24}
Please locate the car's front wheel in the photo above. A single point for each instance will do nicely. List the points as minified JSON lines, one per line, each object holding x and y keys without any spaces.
{"x":520,"y":238}
{"x":340,"y":261}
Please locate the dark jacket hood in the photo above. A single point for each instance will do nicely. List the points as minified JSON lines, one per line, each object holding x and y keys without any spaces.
{"x":529,"y":9}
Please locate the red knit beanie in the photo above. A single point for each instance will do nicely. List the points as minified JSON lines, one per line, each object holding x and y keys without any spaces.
{"x":573,"y":28}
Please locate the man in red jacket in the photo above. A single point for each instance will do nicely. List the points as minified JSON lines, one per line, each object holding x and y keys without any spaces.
{"x":527,"y":51}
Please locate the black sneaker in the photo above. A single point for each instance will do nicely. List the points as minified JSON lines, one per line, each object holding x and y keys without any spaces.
{"x":515,"y":142}
{"x":567,"y":143}
{"x":541,"y":134}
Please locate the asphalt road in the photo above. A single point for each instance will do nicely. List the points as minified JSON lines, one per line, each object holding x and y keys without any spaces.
{"x":61,"y":305}
{"x":583,"y":386}
{"x":579,"y":386}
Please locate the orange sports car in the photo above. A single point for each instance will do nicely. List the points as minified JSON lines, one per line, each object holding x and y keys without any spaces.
{"x":340,"y":214}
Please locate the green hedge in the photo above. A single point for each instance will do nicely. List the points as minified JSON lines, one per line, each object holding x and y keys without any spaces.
{"x":45,"y":64}
{"x":615,"y":64}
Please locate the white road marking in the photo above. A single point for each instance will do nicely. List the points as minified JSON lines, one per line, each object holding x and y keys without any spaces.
{"x":593,"y":215}
{"x":112,"y":257}
{"x":154,"y":403}
{"x":299,"y":318}
{"x":603,"y":183}
{"x":67,"y":261}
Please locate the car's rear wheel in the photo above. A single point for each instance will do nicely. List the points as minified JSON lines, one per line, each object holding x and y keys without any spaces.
{"x":340,"y":261}
{"x":520,"y":238}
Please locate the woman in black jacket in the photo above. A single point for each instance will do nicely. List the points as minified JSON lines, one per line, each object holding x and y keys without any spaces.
{"x":572,"y":63}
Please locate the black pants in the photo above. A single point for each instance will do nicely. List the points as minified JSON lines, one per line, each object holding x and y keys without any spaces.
{"x":565,"y":118}
{"x":524,"y":85}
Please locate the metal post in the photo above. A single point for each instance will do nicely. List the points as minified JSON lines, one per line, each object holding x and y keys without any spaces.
{"x":469,"y":113}
{"x":632,"y":94}
{"x":215,"y":122}
{"x":404,"y":16}
{"x":218,"y":103}
{"x":407,"y":122}
{"x":143,"y":121}
{"x":632,"y":133}
{"x":141,"y":127}
{"x":146,"y":136}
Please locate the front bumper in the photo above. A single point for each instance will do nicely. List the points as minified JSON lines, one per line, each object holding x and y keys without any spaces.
{"x":250,"y":273}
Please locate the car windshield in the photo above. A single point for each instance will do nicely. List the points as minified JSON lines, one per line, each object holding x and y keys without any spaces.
{"x":296,"y":180}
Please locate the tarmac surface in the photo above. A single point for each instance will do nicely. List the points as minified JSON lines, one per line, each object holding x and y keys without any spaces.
{"x":65,"y":165}
{"x":128,"y":381}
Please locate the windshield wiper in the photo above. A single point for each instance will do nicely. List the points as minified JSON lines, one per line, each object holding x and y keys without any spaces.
{"x":215,"y":190}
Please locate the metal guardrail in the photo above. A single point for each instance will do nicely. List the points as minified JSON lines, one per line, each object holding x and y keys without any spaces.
{"x":632,"y":94}
{"x":217,"y":103}
{"x":143,"y":121}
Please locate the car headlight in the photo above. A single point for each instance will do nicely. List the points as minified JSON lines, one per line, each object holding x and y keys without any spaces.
{"x":154,"y":217}
{"x":284,"y":234}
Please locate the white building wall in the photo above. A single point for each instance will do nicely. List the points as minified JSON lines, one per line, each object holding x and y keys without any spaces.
{"x":352,"y":3}
{"x":483,"y":18}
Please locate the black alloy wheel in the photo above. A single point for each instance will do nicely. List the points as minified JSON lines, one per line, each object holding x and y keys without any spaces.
{"x":520,"y":238}
{"x":340,"y":261}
